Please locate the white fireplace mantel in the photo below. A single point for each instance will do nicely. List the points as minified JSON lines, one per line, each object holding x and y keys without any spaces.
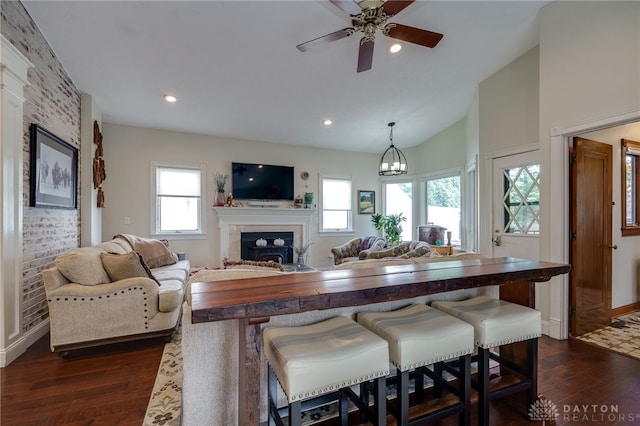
{"x":232,"y":221}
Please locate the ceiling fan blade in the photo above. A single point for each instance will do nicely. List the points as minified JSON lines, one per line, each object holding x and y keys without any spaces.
{"x":346,"y":32}
{"x":393,"y":7}
{"x":414,"y":35}
{"x":365,"y":55}
{"x":349,"y":6}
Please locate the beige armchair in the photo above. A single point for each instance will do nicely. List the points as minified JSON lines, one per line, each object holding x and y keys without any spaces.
{"x":358,"y":248}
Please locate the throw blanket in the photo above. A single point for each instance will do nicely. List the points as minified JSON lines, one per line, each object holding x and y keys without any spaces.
{"x":154,"y":252}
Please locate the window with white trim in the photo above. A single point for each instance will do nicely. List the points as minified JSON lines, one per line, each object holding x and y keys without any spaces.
{"x":444,"y":204}
{"x":336,"y":205}
{"x":178,"y":193}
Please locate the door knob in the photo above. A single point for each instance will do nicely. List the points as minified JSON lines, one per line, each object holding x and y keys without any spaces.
{"x":497,"y":240}
{"x":615,"y":246}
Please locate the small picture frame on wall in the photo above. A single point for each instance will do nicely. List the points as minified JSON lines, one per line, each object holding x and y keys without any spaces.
{"x":53,"y":178}
{"x":366,"y":202}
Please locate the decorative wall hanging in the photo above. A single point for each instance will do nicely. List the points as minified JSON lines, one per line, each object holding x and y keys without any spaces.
{"x":53,"y":171}
{"x":99,"y":174}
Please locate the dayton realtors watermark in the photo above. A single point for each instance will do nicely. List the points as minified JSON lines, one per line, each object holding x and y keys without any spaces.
{"x":545,"y":410}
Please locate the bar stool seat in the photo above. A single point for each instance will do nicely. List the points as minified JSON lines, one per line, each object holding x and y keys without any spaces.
{"x":496,"y":323}
{"x":419,"y":336}
{"x":321,"y":358}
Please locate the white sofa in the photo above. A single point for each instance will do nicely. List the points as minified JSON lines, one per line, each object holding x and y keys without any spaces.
{"x":210,"y":350}
{"x":104,"y":294}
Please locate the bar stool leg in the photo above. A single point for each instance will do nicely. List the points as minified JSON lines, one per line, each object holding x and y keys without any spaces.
{"x":343,"y":404}
{"x":532,"y":370}
{"x":402,"y":397}
{"x":272,"y":387}
{"x":483,"y":386}
{"x":464,"y":378}
{"x":295,"y":413}
{"x":418,"y":382}
{"x":380,"y":400}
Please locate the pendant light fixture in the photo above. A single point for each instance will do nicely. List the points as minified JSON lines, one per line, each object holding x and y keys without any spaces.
{"x":393,"y":161}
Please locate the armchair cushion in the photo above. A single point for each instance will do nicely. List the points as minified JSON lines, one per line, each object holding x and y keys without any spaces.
{"x":405,"y":249}
{"x":353,"y":249}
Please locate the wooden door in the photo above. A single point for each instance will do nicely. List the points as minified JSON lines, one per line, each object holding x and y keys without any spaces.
{"x":591,"y":233}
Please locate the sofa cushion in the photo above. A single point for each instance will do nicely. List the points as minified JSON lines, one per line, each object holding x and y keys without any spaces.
{"x":83,"y":266}
{"x":170,"y":274}
{"x":123,"y":266}
{"x":170,"y":295}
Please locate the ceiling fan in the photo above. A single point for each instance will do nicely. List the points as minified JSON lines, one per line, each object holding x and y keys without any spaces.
{"x":369,"y":16}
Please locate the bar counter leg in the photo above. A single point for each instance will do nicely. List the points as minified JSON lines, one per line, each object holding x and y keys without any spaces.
{"x":248,"y":373}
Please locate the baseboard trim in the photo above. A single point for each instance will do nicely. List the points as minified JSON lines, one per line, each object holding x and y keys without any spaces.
{"x":552,"y":328}
{"x":624,"y":310}
{"x":20,"y":346}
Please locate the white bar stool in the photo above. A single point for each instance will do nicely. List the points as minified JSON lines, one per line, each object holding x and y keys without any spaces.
{"x":420,"y":336}
{"x":323,"y":358}
{"x":496,"y":323}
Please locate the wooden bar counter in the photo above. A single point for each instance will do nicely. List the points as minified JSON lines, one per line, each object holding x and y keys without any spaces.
{"x":254,"y":301}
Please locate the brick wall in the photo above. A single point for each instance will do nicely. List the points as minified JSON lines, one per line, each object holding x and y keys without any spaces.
{"x":52,"y":101}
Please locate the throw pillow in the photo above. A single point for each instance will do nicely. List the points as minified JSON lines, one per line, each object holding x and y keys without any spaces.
{"x":229,"y":264}
{"x":82,"y":266}
{"x":122,"y":266}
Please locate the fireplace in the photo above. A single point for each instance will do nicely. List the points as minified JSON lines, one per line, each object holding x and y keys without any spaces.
{"x":249,"y":250}
{"x":234,"y":221}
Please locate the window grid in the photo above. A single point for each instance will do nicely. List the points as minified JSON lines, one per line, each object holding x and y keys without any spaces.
{"x":521,"y":200}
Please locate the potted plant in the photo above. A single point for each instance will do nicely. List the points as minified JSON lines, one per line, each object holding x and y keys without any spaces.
{"x":391,"y":227}
{"x":221,"y":180}
{"x":301,"y":252}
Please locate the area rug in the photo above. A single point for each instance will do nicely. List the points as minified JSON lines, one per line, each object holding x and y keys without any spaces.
{"x":622,"y":336}
{"x":164,"y":405}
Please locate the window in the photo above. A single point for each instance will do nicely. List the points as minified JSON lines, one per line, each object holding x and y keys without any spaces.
{"x":178,"y":200}
{"x":443,"y":205}
{"x":399,"y":199}
{"x":336,"y":205}
{"x":630,"y":185}
{"x":521,"y":199}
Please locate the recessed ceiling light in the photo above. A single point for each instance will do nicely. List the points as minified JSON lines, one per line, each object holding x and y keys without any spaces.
{"x":327,"y":122}
{"x":170,"y":98}
{"x":395,"y":48}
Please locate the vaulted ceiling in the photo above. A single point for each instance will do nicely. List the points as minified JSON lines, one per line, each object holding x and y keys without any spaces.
{"x":236,"y":72}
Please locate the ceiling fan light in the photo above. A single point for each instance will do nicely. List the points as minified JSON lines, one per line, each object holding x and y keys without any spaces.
{"x":395,"y":48}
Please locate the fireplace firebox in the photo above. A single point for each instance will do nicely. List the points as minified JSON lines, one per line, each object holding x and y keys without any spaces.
{"x":249,"y":250}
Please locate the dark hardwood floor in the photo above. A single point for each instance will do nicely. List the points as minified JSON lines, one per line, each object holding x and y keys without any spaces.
{"x":96,"y":387}
{"x":113,"y":387}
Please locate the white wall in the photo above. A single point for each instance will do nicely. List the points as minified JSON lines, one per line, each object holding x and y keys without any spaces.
{"x":91,"y":215}
{"x":589,"y":75}
{"x":507,"y":120}
{"x":129,"y":151}
{"x":445,"y":150}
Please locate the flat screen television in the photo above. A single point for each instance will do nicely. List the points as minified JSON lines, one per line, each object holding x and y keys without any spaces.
{"x":261,"y":182}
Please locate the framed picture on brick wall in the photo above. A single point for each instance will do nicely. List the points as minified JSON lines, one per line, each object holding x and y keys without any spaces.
{"x":53,"y":177}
